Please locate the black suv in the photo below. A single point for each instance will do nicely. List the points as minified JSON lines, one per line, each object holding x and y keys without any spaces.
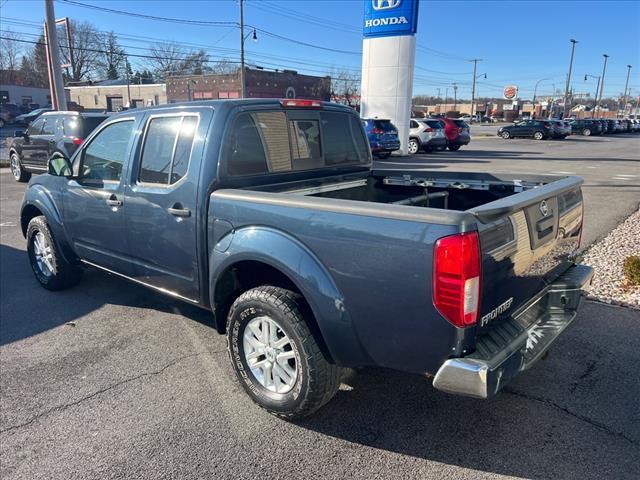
{"x":586,"y":127}
{"x":51,"y":134}
{"x":536,"y":129}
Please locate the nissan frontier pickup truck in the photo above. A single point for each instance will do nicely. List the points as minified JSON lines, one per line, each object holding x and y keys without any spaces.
{"x":268,"y":213}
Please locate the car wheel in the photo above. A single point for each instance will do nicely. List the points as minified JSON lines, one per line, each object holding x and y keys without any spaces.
{"x":586,"y":132}
{"x":414,"y":146}
{"x":19,"y":173}
{"x":505,"y":135}
{"x":454,"y":148}
{"x":50,"y":268}
{"x":274,"y":355}
{"x":383,"y":155}
{"x":538,"y":136}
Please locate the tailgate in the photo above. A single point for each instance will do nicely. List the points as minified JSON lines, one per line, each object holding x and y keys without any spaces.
{"x":527,"y":241}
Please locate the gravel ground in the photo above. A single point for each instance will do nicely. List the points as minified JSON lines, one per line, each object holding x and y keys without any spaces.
{"x":607,"y":256}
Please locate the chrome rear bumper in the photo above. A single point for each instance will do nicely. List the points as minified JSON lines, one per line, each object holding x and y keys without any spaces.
{"x":518,"y":342}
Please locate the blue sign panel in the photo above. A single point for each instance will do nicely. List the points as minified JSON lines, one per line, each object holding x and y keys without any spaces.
{"x":386,"y":18}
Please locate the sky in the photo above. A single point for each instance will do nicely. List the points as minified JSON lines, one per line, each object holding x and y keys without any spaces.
{"x":519,"y":42}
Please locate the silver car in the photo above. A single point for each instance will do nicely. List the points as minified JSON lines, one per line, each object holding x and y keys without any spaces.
{"x":426,"y":134}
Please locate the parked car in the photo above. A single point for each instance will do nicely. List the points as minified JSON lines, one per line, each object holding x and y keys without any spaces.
{"x":626,"y":125}
{"x":536,"y":129}
{"x":8,"y":113}
{"x":27,"y":118}
{"x":51,"y":134}
{"x":310,"y":261}
{"x":605,"y":126}
{"x":585,"y":127}
{"x":382,"y":135}
{"x":560,"y":128}
{"x":457,"y":133}
{"x":426,"y":134}
{"x":635,"y":125}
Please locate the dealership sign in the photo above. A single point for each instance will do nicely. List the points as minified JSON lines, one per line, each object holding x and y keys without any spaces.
{"x":510,"y":92}
{"x":385,"y":18}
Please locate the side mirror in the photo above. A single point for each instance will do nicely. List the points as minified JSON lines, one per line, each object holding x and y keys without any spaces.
{"x":19,"y":133}
{"x":59,"y":167}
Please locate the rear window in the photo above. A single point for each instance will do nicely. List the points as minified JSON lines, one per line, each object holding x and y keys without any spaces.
{"x":385,"y":125}
{"x":460,"y":123}
{"x":271,"y":141}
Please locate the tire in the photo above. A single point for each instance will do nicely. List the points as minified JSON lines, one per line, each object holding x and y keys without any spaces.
{"x":454,"y":148}
{"x":586,"y":132}
{"x":18,"y":172}
{"x":414,"y":146}
{"x":383,"y":155}
{"x":50,"y":268}
{"x":505,"y":135}
{"x":313,"y":380}
{"x":538,"y":136}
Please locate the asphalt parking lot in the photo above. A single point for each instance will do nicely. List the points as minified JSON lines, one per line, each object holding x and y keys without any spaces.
{"x":110,"y":380}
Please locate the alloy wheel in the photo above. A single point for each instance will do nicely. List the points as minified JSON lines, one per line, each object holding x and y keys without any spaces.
{"x":413,"y":147}
{"x":270,"y":355}
{"x":43,"y":254}
{"x":15,"y":166}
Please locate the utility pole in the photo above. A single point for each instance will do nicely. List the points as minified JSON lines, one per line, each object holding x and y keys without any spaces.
{"x":626,"y":84}
{"x":604,"y":69}
{"x":566,"y":89}
{"x":446,"y":95}
{"x":455,"y":96}
{"x":473,"y":88}
{"x":595,"y":99}
{"x":58,"y":98}
{"x":242,"y":92}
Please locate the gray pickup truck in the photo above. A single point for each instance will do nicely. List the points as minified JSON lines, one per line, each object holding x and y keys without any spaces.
{"x":268,"y":213}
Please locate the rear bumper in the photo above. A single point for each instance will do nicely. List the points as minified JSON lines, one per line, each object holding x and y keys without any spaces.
{"x":517,"y":343}
{"x":435,"y":142}
{"x":460,"y":140}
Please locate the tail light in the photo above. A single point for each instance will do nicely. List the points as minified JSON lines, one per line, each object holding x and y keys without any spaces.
{"x":545,"y":125}
{"x":456,"y":278}
{"x":377,"y":131}
{"x":428,"y":129}
{"x":297,"y":103}
{"x":78,"y":141}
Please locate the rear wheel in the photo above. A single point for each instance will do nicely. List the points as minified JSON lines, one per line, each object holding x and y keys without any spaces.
{"x":414,"y":146}
{"x":382,"y":155}
{"x":50,"y":268}
{"x":275,"y":357}
{"x":454,"y":148}
{"x":18,"y":172}
{"x":538,"y":136}
{"x":505,"y":135}
{"x":586,"y":132}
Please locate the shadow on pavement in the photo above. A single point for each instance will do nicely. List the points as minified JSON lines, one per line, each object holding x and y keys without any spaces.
{"x":27,"y":309}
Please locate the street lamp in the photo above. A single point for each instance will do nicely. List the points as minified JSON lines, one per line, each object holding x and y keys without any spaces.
{"x":535,"y":89}
{"x":593,"y":112}
{"x":243,"y":38}
{"x":473,"y":88}
{"x":624,"y":99}
{"x":566,"y":89}
{"x":604,"y":70}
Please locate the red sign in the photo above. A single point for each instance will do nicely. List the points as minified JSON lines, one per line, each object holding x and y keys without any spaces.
{"x":510,"y":92}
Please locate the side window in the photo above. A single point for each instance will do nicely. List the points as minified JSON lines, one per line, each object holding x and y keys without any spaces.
{"x":49,"y":127}
{"x":339,"y":146}
{"x":413,"y":124}
{"x":167,"y":149}
{"x":36,"y":127}
{"x":105,"y":155}
{"x":244,"y":151}
{"x":70,"y":126}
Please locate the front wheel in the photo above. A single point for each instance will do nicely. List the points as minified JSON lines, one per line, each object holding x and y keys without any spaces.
{"x":505,"y":135}
{"x":538,"y":136}
{"x":50,"y":268}
{"x":586,"y":132}
{"x":414,"y":146}
{"x":275,"y":357}
{"x":454,"y":148}
{"x":18,"y":172}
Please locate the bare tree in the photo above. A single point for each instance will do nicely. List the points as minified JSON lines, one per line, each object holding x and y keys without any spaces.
{"x":167,"y":59}
{"x":345,"y":88}
{"x":10,"y":49}
{"x":86,"y":50}
{"x":113,"y":59}
{"x":33,"y":67}
{"x":224,"y":67}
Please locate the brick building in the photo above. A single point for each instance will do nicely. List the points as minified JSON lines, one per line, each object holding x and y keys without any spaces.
{"x":258,"y":84}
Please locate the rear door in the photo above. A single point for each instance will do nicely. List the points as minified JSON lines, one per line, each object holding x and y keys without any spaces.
{"x":161,"y":201}
{"x":31,"y":143}
{"x":526,"y":249}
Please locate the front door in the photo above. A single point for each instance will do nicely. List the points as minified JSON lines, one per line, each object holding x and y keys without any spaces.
{"x":161,"y":202}
{"x":94,"y":204}
{"x":31,"y":142}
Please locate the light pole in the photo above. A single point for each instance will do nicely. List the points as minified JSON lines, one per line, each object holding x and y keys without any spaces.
{"x":473,"y":88}
{"x":455,"y":97}
{"x":593,"y":112}
{"x":446,"y":95}
{"x":624,"y":100}
{"x":566,"y":89}
{"x":604,"y":70}
{"x":535,"y":89}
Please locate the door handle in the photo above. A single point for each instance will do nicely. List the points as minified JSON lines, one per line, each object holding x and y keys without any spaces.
{"x":178,"y":211}
{"x":113,"y":201}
